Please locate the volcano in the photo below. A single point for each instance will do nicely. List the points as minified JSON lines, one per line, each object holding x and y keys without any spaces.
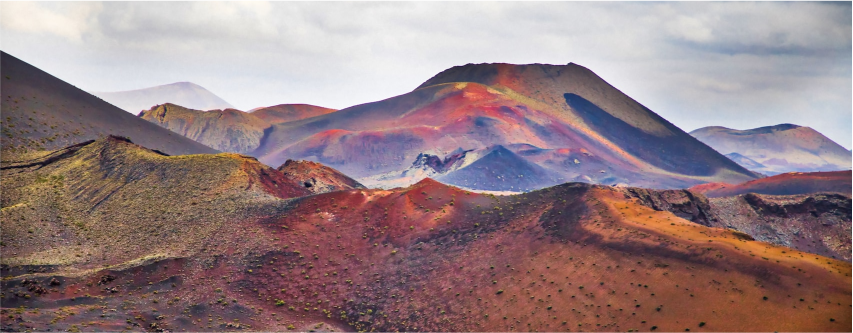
{"x":484,"y":105}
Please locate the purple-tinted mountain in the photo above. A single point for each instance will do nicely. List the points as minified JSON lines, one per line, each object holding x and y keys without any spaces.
{"x":777,"y":149}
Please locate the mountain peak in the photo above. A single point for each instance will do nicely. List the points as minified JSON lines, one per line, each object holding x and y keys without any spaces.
{"x":491,"y":73}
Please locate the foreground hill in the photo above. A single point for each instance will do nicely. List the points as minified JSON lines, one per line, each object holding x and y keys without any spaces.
{"x":187,"y":94}
{"x":784,"y":184}
{"x":228,"y":130}
{"x":472,"y":107}
{"x":112,"y":192}
{"x":777,"y":149}
{"x":220,"y":243}
{"x":40,"y":111}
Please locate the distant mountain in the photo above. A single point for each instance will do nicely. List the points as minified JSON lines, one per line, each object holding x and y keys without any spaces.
{"x":228,"y":130}
{"x":560,"y":109}
{"x":186,"y":94}
{"x":777,"y":149}
{"x":41,"y":112}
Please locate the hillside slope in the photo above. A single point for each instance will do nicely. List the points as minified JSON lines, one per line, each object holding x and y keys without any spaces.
{"x":778,"y":149}
{"x":42,"y":112}
{"x":102,"y":195}
{"x":187,"y":94}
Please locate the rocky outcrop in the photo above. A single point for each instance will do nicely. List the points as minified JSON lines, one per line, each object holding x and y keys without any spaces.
{"x":818,"y":223}
{"x":435,"y":165}
{"x":424,"y":161}
{"x":683,"y":203}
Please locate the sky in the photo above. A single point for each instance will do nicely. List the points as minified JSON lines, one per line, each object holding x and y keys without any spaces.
{"x":738,"y":65}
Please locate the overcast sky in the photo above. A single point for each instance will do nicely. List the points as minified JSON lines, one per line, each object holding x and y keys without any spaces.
{"x":739,"y":65}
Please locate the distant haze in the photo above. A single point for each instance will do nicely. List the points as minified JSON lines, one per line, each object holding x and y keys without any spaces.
{"x":733,"y":64}
{"x":186,"y":94}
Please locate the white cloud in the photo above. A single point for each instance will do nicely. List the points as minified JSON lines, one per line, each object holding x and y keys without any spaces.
{"x":691,"y":29}
{"x":763,"y":28}
{"x":67,"y":20}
